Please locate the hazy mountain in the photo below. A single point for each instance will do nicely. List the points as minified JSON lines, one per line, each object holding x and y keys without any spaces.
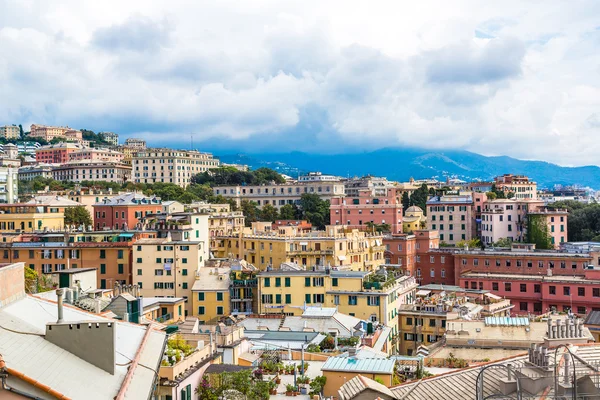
{"x":401,"y":164}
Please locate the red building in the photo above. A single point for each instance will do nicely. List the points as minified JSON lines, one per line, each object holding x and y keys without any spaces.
{"x":365,"y":209}
{"x":56,"y":153}
{"x":124,"y":211}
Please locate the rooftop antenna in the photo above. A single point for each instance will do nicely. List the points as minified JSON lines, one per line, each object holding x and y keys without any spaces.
{"x":191,"y":141}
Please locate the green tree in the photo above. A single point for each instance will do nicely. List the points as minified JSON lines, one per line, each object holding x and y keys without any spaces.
{"x":503,"y":242}
{"x":268,"y":213}
{"x":491,"y":195}
{"x":537,"y":232}
{"x":77,"y":216}
{"x":21,"y":133}
{"x":314,"y":209}
{"x":419,"y":198}
{"x":288,"y":211}
{"x":405,"y":201}
{"x":250,"y":211}
{"x":471,"y":244}
{"x":499,"y":193}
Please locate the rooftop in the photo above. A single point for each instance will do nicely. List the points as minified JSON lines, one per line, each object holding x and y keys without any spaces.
{"x":545,"y":278}
{"x":365,"y":365}
{"x":212,"y":279}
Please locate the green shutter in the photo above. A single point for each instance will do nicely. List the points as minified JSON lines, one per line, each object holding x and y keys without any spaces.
{"x":288,"y":299}
{"x":307,"y":282}
{"x":287,"y":282}
{"x":334,"y":281}
{"x":200,"y":296}
{"x":277,"y":282}
{"x":278,"y":299}
{"x":267,"y":282}
{"x":307,"y":298}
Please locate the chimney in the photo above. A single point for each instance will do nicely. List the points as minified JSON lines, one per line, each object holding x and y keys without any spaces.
{"x":59,"y":295}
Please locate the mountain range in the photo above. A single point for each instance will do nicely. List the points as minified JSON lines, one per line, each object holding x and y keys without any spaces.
{"x":400,"y":164}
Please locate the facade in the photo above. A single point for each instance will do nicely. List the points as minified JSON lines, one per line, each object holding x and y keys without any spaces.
{"x":96,"y":154}
{"x":56,"y":153}
{"x":30,"y":172}
{"x":452,"y":217}
{"x":88,"y":197}
{"x":365,"y":209}
{"x":368,"y":296}
{"x":336,"y":246}
{"x":555,"y":223}
{"x":170,"y":166}
{"x":15,"y":217}
{"x":278,"y":195}
{"x":165,"y":268}
{"x":139,"y":144}
{"x":10,"y":132}
{"x":9,"y":188}
{"x":210,"y":295}
{"x":520,"y":185}
{"x":221,"y":220}
{"x":379,"y":187}
{"x":87,"y":170}
{"x":124,"y":211}
{"x":414,"y":219}
{"x":110,"y":137}
{"x":50,"y":132}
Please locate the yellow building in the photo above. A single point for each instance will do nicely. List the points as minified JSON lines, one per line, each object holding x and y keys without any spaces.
{"x":222,"y":221}
{"x":336,"y":246}
{"x":30,"y":217}
{"x":420,"y":325}
{"x":165,"y":268}
{"x":210,"y":295}
{"x":365,"y":295}
{"x":414,"y":219}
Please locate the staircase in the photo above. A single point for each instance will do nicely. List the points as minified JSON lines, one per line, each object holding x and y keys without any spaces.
{"x":281,"y":322}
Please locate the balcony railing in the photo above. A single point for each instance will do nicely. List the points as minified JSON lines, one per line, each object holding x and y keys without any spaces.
{"x":311,"y":251}
{"x":164,"y":318}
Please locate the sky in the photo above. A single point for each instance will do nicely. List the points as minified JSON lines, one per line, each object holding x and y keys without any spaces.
{"x":517,"y":78}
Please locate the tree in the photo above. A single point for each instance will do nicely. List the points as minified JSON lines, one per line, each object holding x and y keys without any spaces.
{"x":243,"y":382}
{"x":419,"y":198}
{"x":77,"y":216}
{"x":491,"y":195}
{"x":251,"y":212}
{"x":537,"y":232}
{"x":288,"y":211}
{"x":503,"y":242}
{"x":268,"y":213}
{"x":21,"y":133}
{"x":315,"y":210}
{"x":499,"y":193}
{"x":405,"y":201}
{"x":471,"y":244}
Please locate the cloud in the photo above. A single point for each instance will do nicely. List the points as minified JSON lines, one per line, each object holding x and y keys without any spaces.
{"x":509,"y":78}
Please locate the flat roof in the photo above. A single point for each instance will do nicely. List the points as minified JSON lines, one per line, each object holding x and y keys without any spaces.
{"x":366,"y":365}
{"x":74,"y":270}
{"x":544,"y":278}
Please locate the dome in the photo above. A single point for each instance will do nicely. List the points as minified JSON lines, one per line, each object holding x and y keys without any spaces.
{"x":414,"y":209}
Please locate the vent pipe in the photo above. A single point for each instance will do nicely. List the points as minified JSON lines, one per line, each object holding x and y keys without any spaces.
{"x":59,"y":295}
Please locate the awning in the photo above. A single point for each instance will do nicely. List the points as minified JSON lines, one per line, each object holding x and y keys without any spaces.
{"x":341,"y":258}
{"x":128,"y":235}
{"x":423,"y":292}
{"x":493,"y":296}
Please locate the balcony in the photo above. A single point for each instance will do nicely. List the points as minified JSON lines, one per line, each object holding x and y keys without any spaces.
{"x":311,"y":252}
{"x":170,"y":372}
{"x":164,"y":319}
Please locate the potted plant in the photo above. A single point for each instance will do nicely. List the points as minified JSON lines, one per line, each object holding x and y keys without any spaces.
{"x":289,"y":389}
{"x":272,"y":388}
{"x":277,"y":379}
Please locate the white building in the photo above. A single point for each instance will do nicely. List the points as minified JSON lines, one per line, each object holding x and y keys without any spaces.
{"x":9,"y":190}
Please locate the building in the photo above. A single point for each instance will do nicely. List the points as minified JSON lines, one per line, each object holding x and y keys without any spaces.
{"x":87,"y":196}
{"x":366,"y":211}
{"x":110,"y":137}
{"x":222,"y":220}
{"x":210,"y":295}
{"x":139,"y":144}
{"x":368,"y":296}
{"x":87,"y":170}
{"x":103,"y":358}
{"x":300,"y":225}
{"x":124,"y":211}
{"x":51,"y":132}
{"x":414,"y":219}
{"x":56,"y":153}
{"x":31,"y":172}
{"x":378,"y":187}
{"x":592,"y":322}
{"x":166,"y":268}
{"x":9,"y":184}
{"x":552,"y":223}
{"x":519,"y":185}
{"x":278,"y":195}
{"x":341,"y":370}
{"x":10,"y":132}
{"x":170,"y":166}
{"x":452,"y":216}
{"x":16,"y":217}
{"x":96,"y":154}
{"x":335,"y":246}
{"x":318,"y":177}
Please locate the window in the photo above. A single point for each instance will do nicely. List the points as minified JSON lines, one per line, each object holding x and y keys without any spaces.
{"x":200,"y":296}
{"x":102,"y":253}
{"x":334,"y":281}
{"x":494,"y":285}
{"x":121,"y":268}
{"x":288,"y":299}
{"x":184,"y":260}
{"x":158,"y":272}
{"x":139,"y":271}
{"x":373,"y":300}
{"x":277,"y":299}
{"x":277,"y":282}
{"x":443,"y":273}
{"x":201,"y":310}
{"x":267,"y":298}
{"x":523,"y":287}
{"x":102,"y":269}
{"x":409,"y":321}
{"x":352,"y":300}
{"x":523,"y":306}
{"x":537,"y":288}
{"x":120,"y":254}
{"x":158,"y":260}
{"x":287,"y":282}
{"x":567,"y":290}
{"x":307,"y":298}
{"x":219,"y":310}
{"x":184,"y":285}
{"x":596,"y":292}
{"x":267,"y":282}
{"x":318,"y":298}
{"x":432,"y":322}
{"x":184,"y":272}
{"x":581,"y":310}
{"x":307,"y":282}
{"x":336,"y":299}
{"x":219,"y":296}
{"x":317,"y":281}
{"x":552,"y":289}
{"x":102,"y":283}
{"x":581,"y":291}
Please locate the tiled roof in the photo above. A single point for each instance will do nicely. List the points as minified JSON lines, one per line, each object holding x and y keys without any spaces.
{"x":359,"y":384}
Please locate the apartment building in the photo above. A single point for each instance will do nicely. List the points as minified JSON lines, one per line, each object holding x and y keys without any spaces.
{"x":136,"y":143}
{"x":111,"y":260}
{"x":210,"y":295}
{"x":87,"y":170}
{"x":16,"y":217}
{"x":378,"y":187}
{"x":170,"y":166}
{"x":30,"y":172}
{"x":56,"y":153}
{"x":10,"y":132}
{"x":222,"y":221}
{"x":96,"y":154}
{"x":50,"y":132}
{"x":110,"y":137}
{"x":278,"y":195}
{"x":366,"y":210}
{"x":509,"y":218}
{"x":124,"y":211}
{"x":165,"y":268}
{"x":337,"y":246}
{"x":520,"y":185}
{"x":9,"y":188}
{"x":452,"y":216}
{"x":371,"y":296}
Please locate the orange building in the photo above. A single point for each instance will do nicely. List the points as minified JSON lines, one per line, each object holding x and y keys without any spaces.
{"x":56,"y":153}
{"x":124,"y":211}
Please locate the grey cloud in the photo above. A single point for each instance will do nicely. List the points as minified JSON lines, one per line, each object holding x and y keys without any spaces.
{"x":497,"y":60}
{"x":137,"y":33}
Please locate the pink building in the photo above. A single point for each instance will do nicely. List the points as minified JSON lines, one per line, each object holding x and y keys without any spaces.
{"x":358,"y":212}
{"x":90,"y":154}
